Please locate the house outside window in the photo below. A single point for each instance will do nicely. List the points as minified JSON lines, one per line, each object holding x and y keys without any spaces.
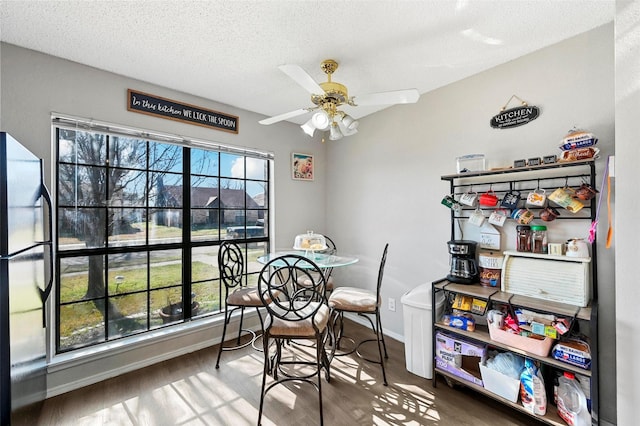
{"x":138,"y":227}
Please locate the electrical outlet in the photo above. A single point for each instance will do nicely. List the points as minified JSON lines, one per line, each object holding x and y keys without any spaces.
{"x":392,"y":304}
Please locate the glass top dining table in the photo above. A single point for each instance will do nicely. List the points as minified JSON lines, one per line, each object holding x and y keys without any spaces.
{"x":323,"y":260}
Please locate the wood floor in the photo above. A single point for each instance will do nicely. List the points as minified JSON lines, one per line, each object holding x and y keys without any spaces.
{"x":190,"y":391}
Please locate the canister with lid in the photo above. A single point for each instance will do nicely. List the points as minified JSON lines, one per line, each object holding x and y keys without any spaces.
{"x":523,"y":238}
{"x":539,"y":239}
{"x":490,"y":265}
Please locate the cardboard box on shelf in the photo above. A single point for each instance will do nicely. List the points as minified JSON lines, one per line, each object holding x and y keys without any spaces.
{"x":462,"y":302}
{"x":459,"y":357}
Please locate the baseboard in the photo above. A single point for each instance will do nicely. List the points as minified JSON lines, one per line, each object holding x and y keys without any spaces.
{"x":360,"y":320}
{"x":71,"y":372}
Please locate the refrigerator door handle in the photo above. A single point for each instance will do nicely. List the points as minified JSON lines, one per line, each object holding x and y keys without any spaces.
{"x":46,"y":195}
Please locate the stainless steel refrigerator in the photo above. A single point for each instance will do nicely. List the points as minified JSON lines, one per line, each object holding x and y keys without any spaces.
{"x":25,"y":277}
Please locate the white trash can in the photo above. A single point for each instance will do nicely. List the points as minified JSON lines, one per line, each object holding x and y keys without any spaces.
{"x":418,"y":332}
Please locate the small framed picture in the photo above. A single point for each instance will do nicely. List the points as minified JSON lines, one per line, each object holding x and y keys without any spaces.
{"x":302,"y":166}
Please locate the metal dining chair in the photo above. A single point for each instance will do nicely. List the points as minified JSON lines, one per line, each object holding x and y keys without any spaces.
{"x":294,"y":312}
{"x":331,"y":249}
{"x":365,"y":303}
{"x":327,"y":272}
{"x":236,"y":295}
{"x":331,"y":246}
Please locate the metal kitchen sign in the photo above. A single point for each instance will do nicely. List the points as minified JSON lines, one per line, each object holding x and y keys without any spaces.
{"x":145,"y":103}
{"x":515,"y":117}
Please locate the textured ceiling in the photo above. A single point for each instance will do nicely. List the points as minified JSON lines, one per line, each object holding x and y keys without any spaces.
{"x":229,"y":51}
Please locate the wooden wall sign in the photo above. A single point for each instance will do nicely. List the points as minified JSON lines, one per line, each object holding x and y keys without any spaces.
{"x":515,"y":117}
{"x":157,"y":106}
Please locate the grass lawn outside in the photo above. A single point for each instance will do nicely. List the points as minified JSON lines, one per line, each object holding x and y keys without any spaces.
{"x":82,"y":322}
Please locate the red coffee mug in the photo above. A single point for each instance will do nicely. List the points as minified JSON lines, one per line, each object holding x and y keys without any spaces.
{"x":488,"y":199}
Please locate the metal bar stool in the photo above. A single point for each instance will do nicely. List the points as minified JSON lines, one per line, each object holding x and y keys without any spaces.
{"x":366,"y":304}
{"x":331,"y":249}
{"x":294,"y":312}
{"x":236,"y":295}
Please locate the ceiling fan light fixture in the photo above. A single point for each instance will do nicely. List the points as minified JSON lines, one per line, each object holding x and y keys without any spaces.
{"x":329,"y":96}
{"x":334,"y":132}
{"x":345,"y":131}
{"x":308,"y":127}
{"x":320,"y":120}
{"x":349,"y":122}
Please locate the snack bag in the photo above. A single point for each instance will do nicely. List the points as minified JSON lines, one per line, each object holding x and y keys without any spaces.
{"x":577,"y":139}
{"x":532,"y":392}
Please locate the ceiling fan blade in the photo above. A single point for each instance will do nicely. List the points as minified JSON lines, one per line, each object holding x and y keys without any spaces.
{"x":284,"y":116}
{"x":407,"y":96}
{"x":301,"y":77}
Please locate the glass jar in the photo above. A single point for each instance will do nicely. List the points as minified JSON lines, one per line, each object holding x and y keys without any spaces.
{"x":523,"y":238}
{"x":539,"y":239}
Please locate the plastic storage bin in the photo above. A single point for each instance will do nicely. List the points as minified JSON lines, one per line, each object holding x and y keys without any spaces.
{"x":500,"y":384}
{"x":417,"y":311}
{"x":471,"y":163}
{"x":538,"y":347}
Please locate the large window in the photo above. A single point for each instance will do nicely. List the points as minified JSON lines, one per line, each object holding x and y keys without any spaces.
{"x":139,"y":223}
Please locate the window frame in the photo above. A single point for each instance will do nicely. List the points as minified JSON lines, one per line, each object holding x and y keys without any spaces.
{"x":187,"y":245}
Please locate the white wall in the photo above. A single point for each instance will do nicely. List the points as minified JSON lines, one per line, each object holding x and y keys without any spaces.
{"x":627,"y":290}
{"x":35,"y":85}
{"x":385,"y":182}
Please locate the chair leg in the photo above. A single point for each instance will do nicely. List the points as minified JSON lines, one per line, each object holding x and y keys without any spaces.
{"x":275,"y":359}
{"x":338,"y":336}
{"x":260,"y":318}
{"x":271,"y":365}
{"x":320,"y":354}
{"x":257,"y":336}
{"x":376,"y":327}
{"x":240,"y":327}
{"x":384,"y":345}
{"x":227,"y":316}
{"x":380,"y":339}
{"x":265,"y":371}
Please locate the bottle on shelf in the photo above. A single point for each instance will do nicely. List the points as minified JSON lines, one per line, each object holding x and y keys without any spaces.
{"x":532,"y":389}
{"x":572,"y":402}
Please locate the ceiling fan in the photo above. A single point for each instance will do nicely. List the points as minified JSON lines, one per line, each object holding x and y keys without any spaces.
{"x":328,"y":96}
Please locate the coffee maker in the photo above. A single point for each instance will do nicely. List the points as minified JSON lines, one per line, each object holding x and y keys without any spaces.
{"x":464,"y":268}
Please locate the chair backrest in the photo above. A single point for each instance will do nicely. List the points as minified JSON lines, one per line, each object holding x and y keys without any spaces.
{"x":331,"y":246}
{"x":381,"y":271}
{"x":230,"y":264}
{"x":279,"y":290}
